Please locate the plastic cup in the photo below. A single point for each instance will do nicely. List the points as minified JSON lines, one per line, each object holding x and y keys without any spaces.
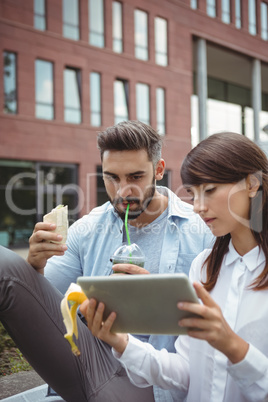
{"x":128,"y":254}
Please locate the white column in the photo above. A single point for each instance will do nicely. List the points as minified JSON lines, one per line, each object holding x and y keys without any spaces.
{"x":256,"y":97}
{"x":202,"y":87}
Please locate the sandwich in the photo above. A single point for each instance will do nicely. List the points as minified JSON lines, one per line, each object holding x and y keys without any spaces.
{"x":59,"y":216}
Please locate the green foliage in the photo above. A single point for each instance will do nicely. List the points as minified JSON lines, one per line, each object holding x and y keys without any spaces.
{"x":5,"y":341}
{"x":11,"y":359}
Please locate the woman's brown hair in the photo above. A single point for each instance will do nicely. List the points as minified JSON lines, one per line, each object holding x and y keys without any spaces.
{"x":229,"y":158}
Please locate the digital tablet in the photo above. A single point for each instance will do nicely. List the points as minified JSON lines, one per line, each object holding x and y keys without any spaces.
{"x":144,"y":304}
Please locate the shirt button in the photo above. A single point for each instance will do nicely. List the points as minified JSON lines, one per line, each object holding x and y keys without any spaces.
{"x":241,"y":259}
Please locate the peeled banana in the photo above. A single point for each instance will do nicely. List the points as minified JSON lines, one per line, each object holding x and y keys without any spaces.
{"x":69,"y":304}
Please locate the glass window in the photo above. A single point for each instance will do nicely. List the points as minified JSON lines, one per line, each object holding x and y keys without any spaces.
{"x":40,"y":14}
{"x":10,"y":82}
{"x":143,"y":103}
{"x":95,"y":99}
{"x":238,"y":14}
{"x":117,"y":27}
{"x":141,"y":35}
{"x":72,"y":95}
{"x":252,"y":17}
{"x":160,"y":30}
{"x":70,"y":9}
{"x":121,"y":96}
{"x":264,"y":25}
{"x":211,"y":8}
{"x":160,"y":110}
{"x":194,"y":4}
{"x":225,"y":11}
{"x":96,"y":23}
{"x":28,"y":190}
{"x":44,"y":98}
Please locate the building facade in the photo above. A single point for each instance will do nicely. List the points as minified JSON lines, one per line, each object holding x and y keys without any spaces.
{"x":71,"y":68}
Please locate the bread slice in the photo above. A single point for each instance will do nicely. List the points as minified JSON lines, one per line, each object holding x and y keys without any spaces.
{"x":59,"y":216}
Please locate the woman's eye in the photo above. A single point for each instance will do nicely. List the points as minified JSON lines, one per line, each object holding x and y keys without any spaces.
{"x":210,"y":190}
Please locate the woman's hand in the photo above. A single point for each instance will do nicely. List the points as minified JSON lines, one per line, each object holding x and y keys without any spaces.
{"x":212,"y":327}
{"x":102,"y":329}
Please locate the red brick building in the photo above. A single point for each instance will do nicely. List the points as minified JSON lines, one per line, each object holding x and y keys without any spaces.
{"x":71,"y":68}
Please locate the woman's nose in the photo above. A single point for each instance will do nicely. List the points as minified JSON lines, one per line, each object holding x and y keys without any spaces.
{"x":199,"y":204}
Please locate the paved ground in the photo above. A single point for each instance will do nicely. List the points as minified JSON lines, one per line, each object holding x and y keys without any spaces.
{"x":15,"y":383}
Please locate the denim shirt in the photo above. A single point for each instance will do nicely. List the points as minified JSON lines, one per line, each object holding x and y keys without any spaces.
{"x":93,"y":239}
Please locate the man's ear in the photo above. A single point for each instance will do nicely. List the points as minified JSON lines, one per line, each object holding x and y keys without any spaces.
{"x":253,"y":185}
{"x":160,"y":169}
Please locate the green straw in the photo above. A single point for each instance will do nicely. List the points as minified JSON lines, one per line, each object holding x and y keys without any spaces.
{"x":126,"y":217}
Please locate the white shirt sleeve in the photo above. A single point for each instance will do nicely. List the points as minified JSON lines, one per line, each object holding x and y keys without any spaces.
{"x":147,"y":366}
{"x":251,"y":375}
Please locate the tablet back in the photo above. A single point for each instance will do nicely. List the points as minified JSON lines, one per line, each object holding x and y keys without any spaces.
{"x":145,"y":304}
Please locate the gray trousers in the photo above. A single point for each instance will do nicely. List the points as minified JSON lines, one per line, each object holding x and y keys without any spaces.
{"x":30,"y":311}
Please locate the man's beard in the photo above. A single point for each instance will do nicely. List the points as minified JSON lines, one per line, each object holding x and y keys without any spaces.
{"x":141,"y":204}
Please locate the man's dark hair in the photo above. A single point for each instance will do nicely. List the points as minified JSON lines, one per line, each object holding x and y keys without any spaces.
{"x":131,"y":135}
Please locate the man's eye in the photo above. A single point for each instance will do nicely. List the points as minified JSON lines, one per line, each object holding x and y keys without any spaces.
{"x":136,"y":177}
{"x":110,"y":178}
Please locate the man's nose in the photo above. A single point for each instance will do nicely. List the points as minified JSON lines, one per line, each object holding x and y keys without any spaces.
{"x":124,"y":190}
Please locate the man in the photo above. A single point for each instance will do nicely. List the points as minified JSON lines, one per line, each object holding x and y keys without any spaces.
{"x":164,"y":227}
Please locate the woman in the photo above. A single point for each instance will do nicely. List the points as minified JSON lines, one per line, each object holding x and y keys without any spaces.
{"x":225,"y":355}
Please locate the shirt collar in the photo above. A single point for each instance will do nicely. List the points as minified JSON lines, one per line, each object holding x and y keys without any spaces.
{"x":176,"y":207}
{"x":252,"y":259}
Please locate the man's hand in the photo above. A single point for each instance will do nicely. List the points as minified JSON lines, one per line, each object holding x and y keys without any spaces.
{"x":41,"y":248}
{"x":102,"y":330}
{"x":129,"y":269}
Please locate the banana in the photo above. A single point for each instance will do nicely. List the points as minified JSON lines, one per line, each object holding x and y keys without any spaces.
{"x":69,"y":304}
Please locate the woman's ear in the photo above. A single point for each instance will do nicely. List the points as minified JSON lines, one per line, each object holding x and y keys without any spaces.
{"x":160,"y":169}
{"x":253,"y":185}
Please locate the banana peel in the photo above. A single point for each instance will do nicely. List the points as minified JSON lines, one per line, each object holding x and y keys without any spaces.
{"x":69,"y":304}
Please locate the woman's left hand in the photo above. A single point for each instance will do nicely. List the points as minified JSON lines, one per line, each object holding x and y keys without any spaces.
{"x":212,"y":327}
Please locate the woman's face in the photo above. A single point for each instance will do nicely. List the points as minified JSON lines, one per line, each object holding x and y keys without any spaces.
{"x":225,"y":208}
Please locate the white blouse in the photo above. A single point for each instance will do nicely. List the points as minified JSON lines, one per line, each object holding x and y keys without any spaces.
{"x":196,"y":367}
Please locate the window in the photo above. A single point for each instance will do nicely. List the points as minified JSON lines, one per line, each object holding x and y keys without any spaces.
{"x":194,"y":4}
{"x":95,"y":99}
{"x":141,"y":35}
{"x":40,"y":14}
{"x":225,"y":11}
{"x":160,"y":31}
{"x":121,"y":96}
{"x":143,"y":103}
{"x":10,"y":82}
{"x":72,"y":95}
{"x":237,"y":14}
{"x":70,"y":9}
{"x":28,"y":190}
{"x":117,"y":27}
{"x":264,"y":20}
{"x":211,"y":8}
{"x":44,"y":99}
{"x":96,"y":23}
{"x":160,"y":110}
{"x":252,"y":17}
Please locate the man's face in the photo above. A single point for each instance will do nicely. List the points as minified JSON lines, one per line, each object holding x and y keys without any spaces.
{"x":129,"y":179}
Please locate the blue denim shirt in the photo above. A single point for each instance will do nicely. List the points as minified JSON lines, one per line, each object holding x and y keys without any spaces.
{"x":93,"y":239}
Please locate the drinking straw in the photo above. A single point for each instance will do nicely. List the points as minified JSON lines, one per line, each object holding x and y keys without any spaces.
{"x":126,"y":227}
